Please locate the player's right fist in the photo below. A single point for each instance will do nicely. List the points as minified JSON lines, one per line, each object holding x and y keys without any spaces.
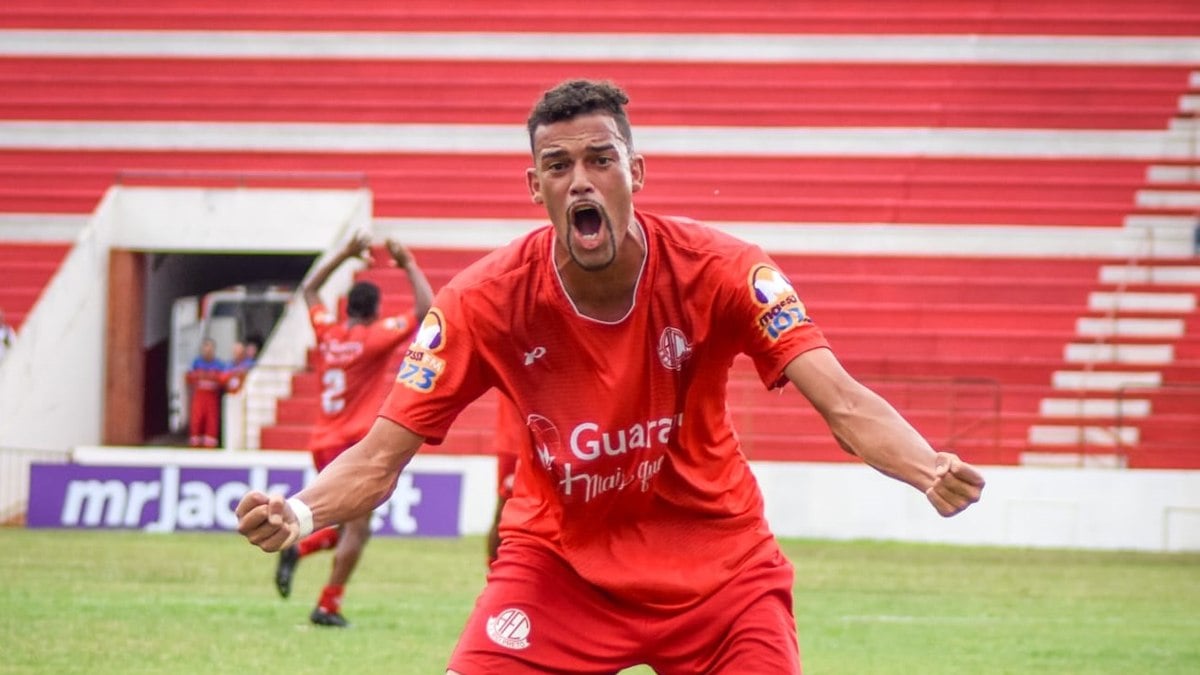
{"x":267,"y":521}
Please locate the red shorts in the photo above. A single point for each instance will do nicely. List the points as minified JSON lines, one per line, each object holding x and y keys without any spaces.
{"x":537,"y":616}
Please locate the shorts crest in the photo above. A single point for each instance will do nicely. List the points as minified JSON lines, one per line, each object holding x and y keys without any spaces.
{"x":510,"y":628}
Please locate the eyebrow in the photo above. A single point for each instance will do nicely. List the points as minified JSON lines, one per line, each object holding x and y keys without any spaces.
{"x":551,"y":154}
{"x":559,"y":152}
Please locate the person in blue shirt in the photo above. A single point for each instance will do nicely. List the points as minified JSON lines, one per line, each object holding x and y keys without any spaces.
{"x":205,"y":378}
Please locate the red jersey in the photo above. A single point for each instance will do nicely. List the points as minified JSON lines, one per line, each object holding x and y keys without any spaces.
{"x":637,"y":479}
{"x":353,"y":365}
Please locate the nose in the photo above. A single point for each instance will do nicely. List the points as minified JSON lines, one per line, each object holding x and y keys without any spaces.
{"x":581,"y":182}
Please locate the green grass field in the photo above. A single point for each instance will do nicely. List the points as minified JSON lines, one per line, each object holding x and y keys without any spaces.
{"x":86,"y":602}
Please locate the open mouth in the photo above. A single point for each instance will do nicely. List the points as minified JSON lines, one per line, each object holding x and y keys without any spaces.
{"x":587,"y":220}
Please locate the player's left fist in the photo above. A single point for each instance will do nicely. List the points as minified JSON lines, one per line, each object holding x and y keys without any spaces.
{"x":956,"y":485}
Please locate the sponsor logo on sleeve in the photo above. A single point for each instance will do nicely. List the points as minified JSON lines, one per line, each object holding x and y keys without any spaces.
{"x":421,"y":369}
{"x":782,"y":310}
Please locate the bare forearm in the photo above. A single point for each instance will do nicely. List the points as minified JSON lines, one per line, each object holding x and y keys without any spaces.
{"x":422,"y":291}
{"x":350,"y":487}
{"x":312,"y":287}
{"x":863,"y":423}
{"x":871,"y":428}
{"x":356,"y":246}
{"x":362,"y":477}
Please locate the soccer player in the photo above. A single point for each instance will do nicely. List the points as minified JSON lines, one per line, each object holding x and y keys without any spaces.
{"x":353,"y":367}
{"x":205,"y":377}
{"x":636,"y":533}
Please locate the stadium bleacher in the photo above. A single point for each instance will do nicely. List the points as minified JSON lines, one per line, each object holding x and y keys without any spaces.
{"x":955,"y":115}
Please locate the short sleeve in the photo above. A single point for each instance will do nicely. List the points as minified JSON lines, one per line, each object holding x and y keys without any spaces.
{"x":321,"y":319}
{"x":441,"y":373}
{"x":388,"y":333}
{"x":771,"y":322}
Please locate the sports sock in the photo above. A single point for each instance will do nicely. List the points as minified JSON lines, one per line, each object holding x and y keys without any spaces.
{"x":331,"y":599}
{"x":318,"y":541}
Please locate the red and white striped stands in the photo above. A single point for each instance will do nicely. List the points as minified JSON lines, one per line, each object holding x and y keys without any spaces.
{"x":965,"y":120}
{"x":27,"y":267}
{"x":765,"y":17}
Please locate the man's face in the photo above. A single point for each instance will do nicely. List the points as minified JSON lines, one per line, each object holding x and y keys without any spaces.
{"x":585,"y":176}
{"x":208,"y":349}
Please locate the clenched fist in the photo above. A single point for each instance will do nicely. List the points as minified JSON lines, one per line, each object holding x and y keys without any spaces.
{"x":956,"y":485}
{"x":268,"y":522}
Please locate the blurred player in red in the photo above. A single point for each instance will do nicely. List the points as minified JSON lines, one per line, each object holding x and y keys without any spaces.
{"x":511,"y":441}
{"x":636,"y":531}
{"x":245,"y":355}
{"x":353,"y":367}
{"x":206,"y":380}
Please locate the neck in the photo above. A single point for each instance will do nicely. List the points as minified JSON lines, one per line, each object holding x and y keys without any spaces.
{"x":607,"y":294}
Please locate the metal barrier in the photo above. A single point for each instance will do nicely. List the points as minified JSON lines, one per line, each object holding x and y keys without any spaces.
{"x":971,"y":404}
{"x":1183,"y":390}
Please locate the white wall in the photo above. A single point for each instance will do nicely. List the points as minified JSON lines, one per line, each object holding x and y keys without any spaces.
{"x":1022,"y":506}
{"x":51,"y":383}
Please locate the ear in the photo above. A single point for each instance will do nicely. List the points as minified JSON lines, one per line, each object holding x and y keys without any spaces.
{"x":535,"y":185}
{"x":637,"y":170}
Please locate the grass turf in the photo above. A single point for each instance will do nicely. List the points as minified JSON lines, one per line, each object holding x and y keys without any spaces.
{"x":129,"y":602}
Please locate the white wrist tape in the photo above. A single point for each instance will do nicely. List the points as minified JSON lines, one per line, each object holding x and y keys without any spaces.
{"x":303,"y":516}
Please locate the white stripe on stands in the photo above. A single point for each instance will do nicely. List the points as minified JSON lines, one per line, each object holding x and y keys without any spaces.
{"x":670,"y":47}
{"x":663,"y":140}
{"x":1094,"y":407}
{"x":819,"y":238}
{"x":781,"y":238}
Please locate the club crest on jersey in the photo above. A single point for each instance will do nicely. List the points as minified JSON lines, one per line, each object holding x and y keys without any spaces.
{"x":782,"y":309}
{"x":510,"y":628}
{"x":673,"y":348}
{"x":421,"y":369}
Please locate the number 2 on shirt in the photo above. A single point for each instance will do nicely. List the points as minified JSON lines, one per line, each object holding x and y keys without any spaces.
{"x":332,"y":401}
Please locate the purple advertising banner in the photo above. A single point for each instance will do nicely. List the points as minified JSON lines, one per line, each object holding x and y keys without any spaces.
{"x":175,"y":499}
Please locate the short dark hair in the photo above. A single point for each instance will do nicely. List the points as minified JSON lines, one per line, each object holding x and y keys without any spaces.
{"x":363,"y":301}
{"x":575,"y":98}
